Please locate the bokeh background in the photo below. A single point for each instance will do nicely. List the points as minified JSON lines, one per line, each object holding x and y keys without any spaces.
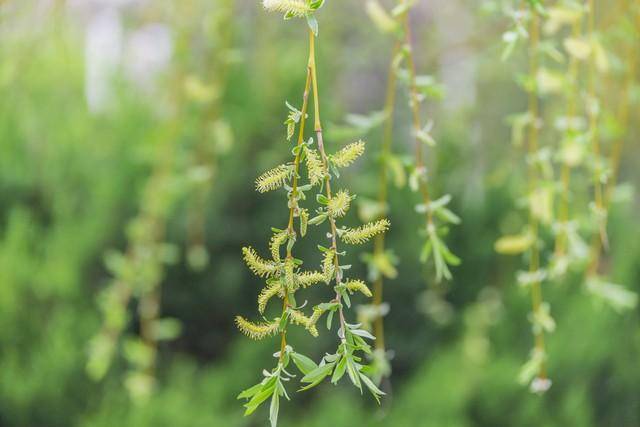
{"x":113,"y":109}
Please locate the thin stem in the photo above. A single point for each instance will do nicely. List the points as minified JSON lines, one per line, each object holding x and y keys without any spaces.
{"x":616,"y":152}
{"x":379,"y":242}
{"x":534,"y":262}
{"x":563,"y":214}
{"x":414,"y":102}
{"x":327,"y":180}
{"x":593,"y":115}
{"x":294,"y":186}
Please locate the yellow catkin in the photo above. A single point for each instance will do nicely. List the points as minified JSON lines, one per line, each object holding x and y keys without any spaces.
{"x":274,"y":178}
{"x":277,"y":240}
{"x":365,"y":232}
{"x":348,"y":154}
{"x":298,"y":8}
{"x":315,"y":169}
{"x":289,"y":276}
{"x":339,"y":204}
{"x":358,"y":286}
{"x":256,"y":331}
{"x":317,"y":312}
{"x":328,"y":268}
{"x":304,"y":221}
{"x":309,"y":278}
{"x":258,"y":265}
{"x":298,"y":318}
{"x":267,"y":293}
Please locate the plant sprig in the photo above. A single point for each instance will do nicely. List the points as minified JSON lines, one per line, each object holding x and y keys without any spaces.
{"x":283,"y":275}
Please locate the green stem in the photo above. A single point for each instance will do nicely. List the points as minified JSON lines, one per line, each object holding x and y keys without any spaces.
{"x":534,"y":262}
{"x":327,"y":181}
{"x":294,"y":186}
{"x":379,"y":242}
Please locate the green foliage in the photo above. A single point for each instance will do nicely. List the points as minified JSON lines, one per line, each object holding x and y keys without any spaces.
{"x":80,"y":191}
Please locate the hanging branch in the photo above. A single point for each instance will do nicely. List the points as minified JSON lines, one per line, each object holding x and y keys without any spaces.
{"x":617,"y":296}
{"x":437,"y":215}
{"x":284,"y":277}
{"x":593,"y":115}
{"x":527,"y":125}
{"x":571,"y":134}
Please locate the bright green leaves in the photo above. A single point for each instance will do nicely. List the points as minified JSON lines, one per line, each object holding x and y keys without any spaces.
{"x":303,"y":363}
{"x":434,"y":247}
{"x":345,"y":361}
{"x":442,"y":256}
{"x":438,"y":209}
{"x":315,"y":377}
{"x":272,"y":386}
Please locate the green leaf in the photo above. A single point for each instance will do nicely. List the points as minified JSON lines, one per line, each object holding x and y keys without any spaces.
{"x":375,"y":391}
{"x":317,"y":220}
{"x":248,"y":393}
{"x":353,"y":373}
{"x":322,"y":199}
{"x":427,"y":249}
{"x":304,"y":364}
{"x":266,"y":392}
{"x":316,"y":4}
{"x":329,"y":319}
{"x":273,"y":409}
{"x":339,"y":371}
{"x":363,"y":333}
{"x":318,"y":374}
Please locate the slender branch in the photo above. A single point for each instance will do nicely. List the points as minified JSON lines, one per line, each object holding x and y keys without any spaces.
{"x":379,"y":242}
{"x":294,"y":186}
{"x":327,"y":180}
{"x":593,"y":115}
{"x":563,"y":214}
{"x":417,"y":125}
{"x":616,"y":152}
{"x":534,"y":262}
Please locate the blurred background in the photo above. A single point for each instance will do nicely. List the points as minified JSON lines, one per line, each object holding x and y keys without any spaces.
{"x":136,"y":125}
